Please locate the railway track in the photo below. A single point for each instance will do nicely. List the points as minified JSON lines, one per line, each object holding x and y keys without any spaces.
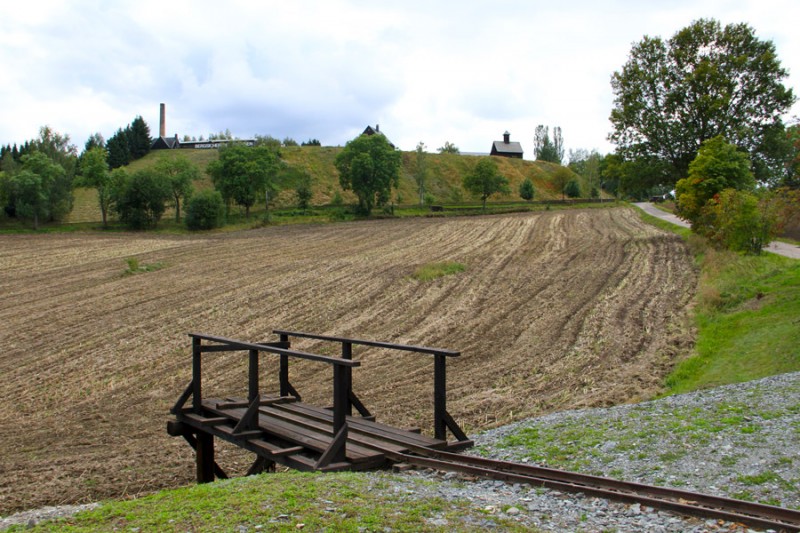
{"x":675,"y":500}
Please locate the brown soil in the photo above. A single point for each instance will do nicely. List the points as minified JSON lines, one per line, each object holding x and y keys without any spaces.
{"x":555,"y":310}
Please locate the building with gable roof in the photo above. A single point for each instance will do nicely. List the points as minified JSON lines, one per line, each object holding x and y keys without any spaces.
{"x":506,"y":148}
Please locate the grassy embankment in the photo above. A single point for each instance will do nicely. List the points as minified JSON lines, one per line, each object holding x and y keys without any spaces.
{"x":443,"y":184}
{"x":746,"y":317}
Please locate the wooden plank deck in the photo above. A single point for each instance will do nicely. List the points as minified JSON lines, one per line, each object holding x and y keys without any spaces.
{"x":297,"y":434}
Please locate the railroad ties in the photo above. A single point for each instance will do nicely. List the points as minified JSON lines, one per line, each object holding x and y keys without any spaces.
{"x":280,"y":428}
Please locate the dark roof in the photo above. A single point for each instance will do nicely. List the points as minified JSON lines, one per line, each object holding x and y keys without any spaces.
{"x":369,"y":130}
{"x":500,"y":147}
{"x":165,"y":143}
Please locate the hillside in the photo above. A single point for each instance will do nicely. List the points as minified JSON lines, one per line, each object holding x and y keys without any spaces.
{"x":446,"y":172}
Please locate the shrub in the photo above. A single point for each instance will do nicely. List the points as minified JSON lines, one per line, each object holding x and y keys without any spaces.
{"x":139,"y":198}
{"x":526,"y":190}
{"x":206,"y":210}
{"x":739,"y":221}
{"x":573,"y":189}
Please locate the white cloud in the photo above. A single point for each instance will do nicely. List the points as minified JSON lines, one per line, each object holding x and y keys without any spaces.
{"x":429,"y":71}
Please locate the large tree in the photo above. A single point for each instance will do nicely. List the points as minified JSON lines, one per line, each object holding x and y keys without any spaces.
{"x":370,"y":166}
{"x":35,"y":186}
{"x":60,"y":151}
{"x":180,"y":174}
{"x":485,"y":180}
{"x":546,"y":149}
{"x":95,"y":174}
{"x":705,"y":81}
{"x":242,"y":173}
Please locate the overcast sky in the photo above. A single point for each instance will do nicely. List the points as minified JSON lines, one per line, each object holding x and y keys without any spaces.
{"x":433,"y":71}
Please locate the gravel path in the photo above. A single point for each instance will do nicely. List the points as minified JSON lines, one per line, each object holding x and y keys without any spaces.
{"x":739,"y":441}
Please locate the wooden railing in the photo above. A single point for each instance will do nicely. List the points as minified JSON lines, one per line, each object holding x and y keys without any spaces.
{"x":344,"y":399}
{"x":441,"y":418}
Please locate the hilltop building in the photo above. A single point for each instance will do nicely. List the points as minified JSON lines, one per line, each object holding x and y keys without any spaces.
{"x":162,"y":142}
{"x":376,"y":131}
{"x":506,"y":148}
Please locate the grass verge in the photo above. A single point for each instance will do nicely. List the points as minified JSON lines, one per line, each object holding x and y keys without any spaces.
{"x":287,"y":502}
{"x":746,"y":316}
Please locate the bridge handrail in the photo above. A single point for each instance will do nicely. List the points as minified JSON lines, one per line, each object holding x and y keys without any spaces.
{"x":377,"y":344}
{"x":242,"y":345}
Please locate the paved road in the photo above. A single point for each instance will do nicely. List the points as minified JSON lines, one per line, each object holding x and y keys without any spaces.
{"x":776,"y":247}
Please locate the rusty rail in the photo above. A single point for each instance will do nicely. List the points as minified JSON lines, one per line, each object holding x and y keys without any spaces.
{"x":675,"y":500}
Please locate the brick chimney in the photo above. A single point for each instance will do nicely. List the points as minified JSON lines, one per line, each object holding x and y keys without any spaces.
{"x":506,"y":137}
{"x":162,"y":128}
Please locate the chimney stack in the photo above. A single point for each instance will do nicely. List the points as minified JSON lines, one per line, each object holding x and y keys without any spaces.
{"x":506,"y":137}
{"x":162,"y":129}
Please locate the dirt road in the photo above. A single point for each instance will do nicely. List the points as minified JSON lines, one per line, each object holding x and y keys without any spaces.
{"x":555,"y":310}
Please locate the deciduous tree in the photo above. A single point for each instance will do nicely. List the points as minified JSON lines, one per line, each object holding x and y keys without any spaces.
{"x":140,"y":198}
{"x":370,"y":167}
{"x":242,"y":173}
{"x":485,"y":180}
{"x":448,"y":148}
{"x":719,"y":165}
{"x":544,"y":148}
{"x":706,"y":81}
{"x":95,"y":174}
{"x":179,"y":173}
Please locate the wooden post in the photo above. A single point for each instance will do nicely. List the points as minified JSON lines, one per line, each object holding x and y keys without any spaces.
{"x":439,"y":396}
{"x":340,"y":401}
{"x":252,"y":378}
{"x":347,"y":353}
{"x":204,"y":455}
{"x":197,"y":389}
{"x":283,"y":371}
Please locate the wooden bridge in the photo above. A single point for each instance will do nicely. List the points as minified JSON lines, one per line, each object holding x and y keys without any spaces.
{"x":280,"y":428}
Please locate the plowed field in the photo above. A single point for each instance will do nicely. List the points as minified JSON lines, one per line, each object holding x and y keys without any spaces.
{"x":554,"y":310}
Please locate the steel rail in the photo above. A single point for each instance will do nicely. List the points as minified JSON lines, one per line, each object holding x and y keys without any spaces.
{"x":675,"y":500}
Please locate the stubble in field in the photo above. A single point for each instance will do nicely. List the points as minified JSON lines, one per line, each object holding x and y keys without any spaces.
{"x":554,"y":310}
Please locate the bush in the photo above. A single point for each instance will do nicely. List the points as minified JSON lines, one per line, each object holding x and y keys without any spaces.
{"x":526,"y":190}
{"x":739,"y":221}
{"x":206,"y":210}
{"x":573,"y":189}
{"x":139,"y":199}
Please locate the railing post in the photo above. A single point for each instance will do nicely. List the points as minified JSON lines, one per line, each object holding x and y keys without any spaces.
{"x":204,"y":456}
{"x":252,"y":378}
{"x":347,"y":353}
{"x":197,"y":389}
{"x":283,"y":371}
{"x":340,"y":402}
{"x":439,"y":396}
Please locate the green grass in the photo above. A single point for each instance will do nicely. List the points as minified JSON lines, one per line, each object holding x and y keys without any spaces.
{"x":433,"y":271}
{"x":286,"y":502}
{"x":135,"y":268}
{"x":746,"y":317}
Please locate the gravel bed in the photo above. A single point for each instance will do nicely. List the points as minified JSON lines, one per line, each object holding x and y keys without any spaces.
{"x":740,"y":441}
